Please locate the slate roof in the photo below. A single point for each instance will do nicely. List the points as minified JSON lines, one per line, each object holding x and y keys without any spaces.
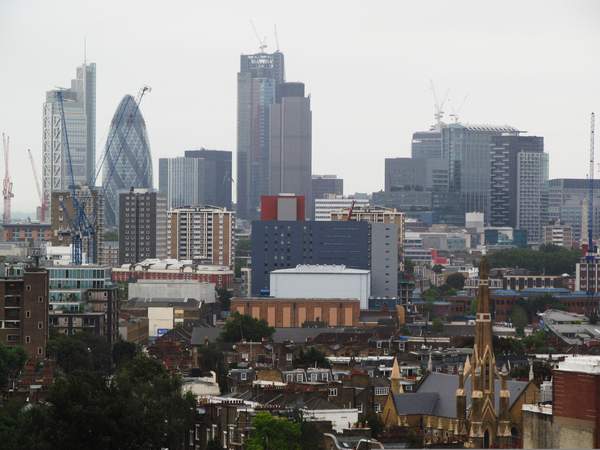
{"x":443,"y":387}
{"x":199,"y":333}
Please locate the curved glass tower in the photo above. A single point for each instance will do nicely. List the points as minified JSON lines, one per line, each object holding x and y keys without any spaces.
{"x":128,"y":162}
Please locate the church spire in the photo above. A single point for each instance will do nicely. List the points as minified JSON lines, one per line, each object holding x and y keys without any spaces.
{"x":395,"y":378}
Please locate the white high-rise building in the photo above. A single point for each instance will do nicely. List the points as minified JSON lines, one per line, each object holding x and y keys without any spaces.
{"x":79,"y":103}
{"x":334,"y":203}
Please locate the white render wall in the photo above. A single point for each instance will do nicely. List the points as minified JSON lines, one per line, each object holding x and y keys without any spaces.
{"x":159,"y":318}
{"x":203,"y":292}
{"x":351,"y":284}
{"x":340,"y":418}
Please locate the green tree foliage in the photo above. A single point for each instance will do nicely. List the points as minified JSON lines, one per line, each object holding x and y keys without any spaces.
{"x":243,"y":327}
{"x":437,"y":268}
{"x":274,"y":433}
{"x":82,"y":351}
{"x":409,"y":265}
{"x":536,"y":343}
{"x":456,"y":281}
{"x":311,"y":356}
{"x":518,"y":316}
{"x":310,"y":436}
{"x":224,"y":297}
{"x":12,"y":361}
{"x":593,"y":318}
{"x":210,"y":357}
{"x":549,"y":259}
{"x":540,"y":303}
{"x":375,"y":424}
{"x":437,"y":326}
{"x":123,"y":352}
{"x":141,"y":407}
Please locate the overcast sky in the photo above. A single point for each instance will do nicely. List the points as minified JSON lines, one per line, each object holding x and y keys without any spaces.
{"x":366,"y":64}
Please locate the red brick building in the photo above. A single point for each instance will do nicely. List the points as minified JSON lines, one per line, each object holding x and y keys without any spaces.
{"x":22,"y":232}
{"x":576,"y":402}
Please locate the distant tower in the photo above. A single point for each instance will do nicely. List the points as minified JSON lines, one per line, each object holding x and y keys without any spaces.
{"x":128,"y":161}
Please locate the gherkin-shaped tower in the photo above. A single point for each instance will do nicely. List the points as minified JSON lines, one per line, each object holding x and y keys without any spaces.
{"x":128,"y":161}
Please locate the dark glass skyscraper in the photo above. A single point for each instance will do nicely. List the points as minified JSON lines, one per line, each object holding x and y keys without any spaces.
{"x":128,"y":161}
{"x":259,"y":79}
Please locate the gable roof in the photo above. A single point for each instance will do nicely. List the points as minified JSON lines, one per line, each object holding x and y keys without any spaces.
{"x":437,"y":396}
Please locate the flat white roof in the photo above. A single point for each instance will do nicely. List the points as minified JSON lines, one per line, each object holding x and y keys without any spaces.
{"x":317,"y":268}
{"x":581,"y":363}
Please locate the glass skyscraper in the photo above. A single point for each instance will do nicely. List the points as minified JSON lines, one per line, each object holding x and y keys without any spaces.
{"x":128,"y":161}
{"x":79,"y":103}
{"x":259,"y":79}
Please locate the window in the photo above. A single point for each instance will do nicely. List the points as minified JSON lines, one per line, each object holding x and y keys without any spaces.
{"x":289,"y":377}
{"x":243,"y":376}
{"x":245,"y":356}
{"x":299,"y":377}
{"x":378,"y":344}
{"x":40,"y":350}
{"x":289,"y":356}
{"x":377,"y":408}
{"x":313,"y":377}
{"x":28,"y":339}
{"x":40,"y":325}
{"x":360,"y":408}
{"x":333,"y":392}
{"x":28,"y":314}
{"x":28,"y":287}
{"x":382,"y":390}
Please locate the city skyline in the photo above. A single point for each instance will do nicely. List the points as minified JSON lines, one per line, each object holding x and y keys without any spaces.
{"x":548,"y":48}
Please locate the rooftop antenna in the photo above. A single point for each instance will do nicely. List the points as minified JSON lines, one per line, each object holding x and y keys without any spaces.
{"x":262,"y":43}
{"x":276,"y":37}
{"x":439,"y":106}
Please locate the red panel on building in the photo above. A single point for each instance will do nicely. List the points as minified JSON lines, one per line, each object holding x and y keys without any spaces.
{"x":282,"y":207}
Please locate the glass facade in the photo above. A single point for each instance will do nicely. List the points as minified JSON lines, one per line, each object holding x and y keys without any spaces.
{"x":128,"y":160}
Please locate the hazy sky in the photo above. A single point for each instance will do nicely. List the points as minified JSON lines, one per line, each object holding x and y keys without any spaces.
{"x":367,"y":65}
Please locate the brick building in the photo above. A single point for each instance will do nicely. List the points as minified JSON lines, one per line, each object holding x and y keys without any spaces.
{"x":24,"y":308}
{"x":292,"y":313}
{"x":20,"y":232}
{"x":170,"y":269}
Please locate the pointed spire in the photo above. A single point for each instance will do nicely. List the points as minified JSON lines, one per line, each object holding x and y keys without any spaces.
{"x":430,"y":363}
{"x":467,"y":367}
{"x":395,"y":371}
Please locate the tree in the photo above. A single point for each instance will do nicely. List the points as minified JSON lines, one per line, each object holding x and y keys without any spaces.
{"x":594,"y":318}
{"x":409,"y":265}
{"x":310,"y":357}
{"x":243,"y":327}
{"x":310,"y":436}
{"x":82,"y":351}
{"x":437,"y":326}
{"x":12,"y":361}
{"x":211,"y":358}
{"x":518,"y":317}
{"x":274,"y":433}
{"x":141,"y":407}
{"x":549,"y":259}
{"x":123,"y":352}
{"x":438,"y":268}
{"x":375,"y":424}
{"x":456,"y":281}
{"x":224,"y":297}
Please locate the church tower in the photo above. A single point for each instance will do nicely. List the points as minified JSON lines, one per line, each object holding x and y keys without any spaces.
{"x":483,"y":420}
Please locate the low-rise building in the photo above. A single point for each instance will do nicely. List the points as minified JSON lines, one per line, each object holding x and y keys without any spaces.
{"x":172,"y":269}
{"x":26,"y":232}
{"x":294,"y":312}
{"x":203,"y":292}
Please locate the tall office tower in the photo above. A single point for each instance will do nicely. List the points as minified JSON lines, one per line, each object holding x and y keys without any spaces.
{"x":62,"y":212}
{"x":290,"y":144}
{"x":201,"y":177}
{"x":128,"y":161}
{"x":567,"y":203}
{"x":324,"y":185}
{"x":427,"y":144}
{"x":79,"y":103}
{"x":24,"y":306}
{"x":202,"y":234}
{"x":519,"y":184}
{"x":258,"y":84}
{"x":143,"y":226}
{"x":467,"y":150}
{"x":217,"y":176}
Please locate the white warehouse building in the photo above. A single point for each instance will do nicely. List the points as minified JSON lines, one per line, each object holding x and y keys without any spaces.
{"x":322,"y":281}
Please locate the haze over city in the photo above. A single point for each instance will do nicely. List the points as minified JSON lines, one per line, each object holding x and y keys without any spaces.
{"x":366,"y":65}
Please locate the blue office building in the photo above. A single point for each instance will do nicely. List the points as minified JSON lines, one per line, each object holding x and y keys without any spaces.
{"x":285,"y":244}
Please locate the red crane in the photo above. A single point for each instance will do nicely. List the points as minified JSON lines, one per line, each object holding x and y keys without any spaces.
{"x":7,"y":192}
{"x":42,"y":211}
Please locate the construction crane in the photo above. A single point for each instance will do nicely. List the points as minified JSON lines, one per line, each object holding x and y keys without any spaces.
{"x":591,"y":251}
{"x":7,"y":188}
{"x":43,"y":206}
{"x":262,"y":43}
{"x":456,"y":110}
{"x":439,"y":106}
{"x":351,"y":210}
